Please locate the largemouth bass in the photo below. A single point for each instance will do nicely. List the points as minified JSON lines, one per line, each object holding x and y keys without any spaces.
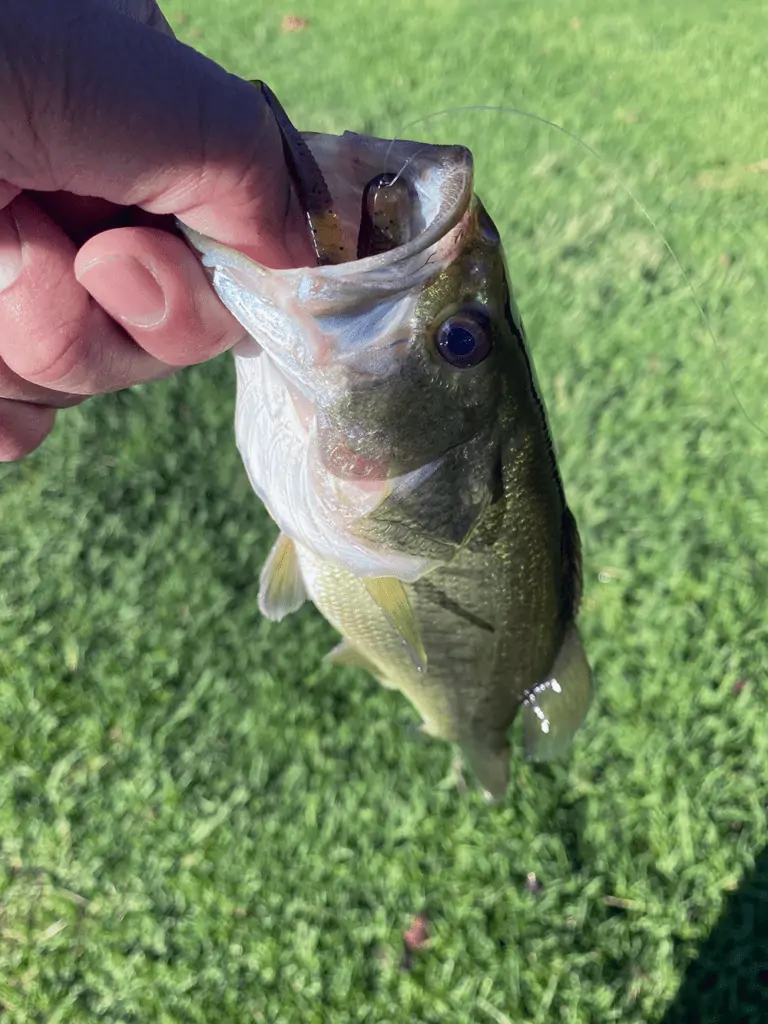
{"x":388,"y":417}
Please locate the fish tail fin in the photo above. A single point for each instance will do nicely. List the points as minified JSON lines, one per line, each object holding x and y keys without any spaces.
{"x":554,"y":710}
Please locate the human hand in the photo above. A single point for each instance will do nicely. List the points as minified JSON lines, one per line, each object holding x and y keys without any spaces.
{"x":108,"y":127}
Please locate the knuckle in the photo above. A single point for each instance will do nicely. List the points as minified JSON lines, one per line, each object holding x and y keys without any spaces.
{"x":214,"y":327}
{"x":13,"y":449}
{"x":23,"y":428}
{"x":222,"y":337}
{"x":59,"y":362}
{"x":46,"y":331}
{"x":17,"y":443}
{"x":17,"y":388}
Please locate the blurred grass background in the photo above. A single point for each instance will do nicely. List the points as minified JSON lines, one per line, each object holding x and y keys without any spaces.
{"x":199,"y":821}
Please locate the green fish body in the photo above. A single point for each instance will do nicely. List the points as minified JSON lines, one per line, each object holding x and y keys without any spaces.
{"x":389,"y":419}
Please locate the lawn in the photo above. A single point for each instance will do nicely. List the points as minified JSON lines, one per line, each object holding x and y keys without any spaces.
{"x":201,"y":822}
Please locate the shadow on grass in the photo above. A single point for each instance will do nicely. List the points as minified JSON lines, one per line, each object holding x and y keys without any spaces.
{"x":728,"y":982}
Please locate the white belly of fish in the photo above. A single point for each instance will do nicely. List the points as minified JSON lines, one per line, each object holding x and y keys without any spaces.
{"x":274,"y":430}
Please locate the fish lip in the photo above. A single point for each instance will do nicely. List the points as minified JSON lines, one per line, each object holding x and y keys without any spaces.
{"x":455,"y":167}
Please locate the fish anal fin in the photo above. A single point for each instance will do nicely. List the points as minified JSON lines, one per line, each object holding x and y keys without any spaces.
{"x":554,"y":710}
{"x":391,"y":597}
{"x":490,"y":766}
{"x":348,"y":656}
{"x":281,"y":588}
{"x":429,"y":727}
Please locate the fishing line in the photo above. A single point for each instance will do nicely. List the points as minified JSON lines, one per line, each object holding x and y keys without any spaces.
{"x":408,"y":161}
{"x":625,"y":188}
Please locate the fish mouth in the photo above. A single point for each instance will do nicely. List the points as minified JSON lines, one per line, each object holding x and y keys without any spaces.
{"x":332,"y":177}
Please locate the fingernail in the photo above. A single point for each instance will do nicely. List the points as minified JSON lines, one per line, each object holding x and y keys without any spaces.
{"x":126,"y":289}
{"x":10,"y":250}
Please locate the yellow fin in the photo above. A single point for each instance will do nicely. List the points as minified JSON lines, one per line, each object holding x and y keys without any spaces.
{"x":554,"y":710}
{"x":389,"y":594}
{"x":350,"y":657}
{"x":281,"y":589}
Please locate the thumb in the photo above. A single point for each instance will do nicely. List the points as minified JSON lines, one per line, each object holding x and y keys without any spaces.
{"x":99,"y":104}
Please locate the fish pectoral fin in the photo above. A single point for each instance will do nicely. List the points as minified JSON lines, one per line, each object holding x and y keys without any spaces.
{"x":554,"y":710}
{"x":281,"y":588}
{"x":351,"y":657}
{"x":389,"y":594}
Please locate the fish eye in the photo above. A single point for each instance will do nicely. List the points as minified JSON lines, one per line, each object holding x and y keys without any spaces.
{"x":465,"y":339}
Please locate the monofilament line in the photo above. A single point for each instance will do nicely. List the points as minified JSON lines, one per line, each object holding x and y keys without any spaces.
{"x":626,"y":189}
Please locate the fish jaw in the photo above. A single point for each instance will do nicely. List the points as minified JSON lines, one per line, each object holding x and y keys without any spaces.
{"x":306,"y":317}
{"x":309,"y":328}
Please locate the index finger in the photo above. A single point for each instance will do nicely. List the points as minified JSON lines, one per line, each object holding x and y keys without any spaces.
{"x":135,"y":117}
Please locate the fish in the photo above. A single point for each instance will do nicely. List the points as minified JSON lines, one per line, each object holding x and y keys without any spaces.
{"x":389,"y":418}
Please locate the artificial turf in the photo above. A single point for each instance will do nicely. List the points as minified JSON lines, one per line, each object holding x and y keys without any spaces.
{"x":201,"y":822}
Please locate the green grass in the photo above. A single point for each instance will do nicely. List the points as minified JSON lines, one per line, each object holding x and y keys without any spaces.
{"x":198,"y":821}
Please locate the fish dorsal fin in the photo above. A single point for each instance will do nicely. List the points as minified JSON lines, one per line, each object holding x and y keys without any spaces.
{"x":554,"y":709}
{"x":389,"y":594}
{"x":281,"y":589}
{"x":348,"y":656}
